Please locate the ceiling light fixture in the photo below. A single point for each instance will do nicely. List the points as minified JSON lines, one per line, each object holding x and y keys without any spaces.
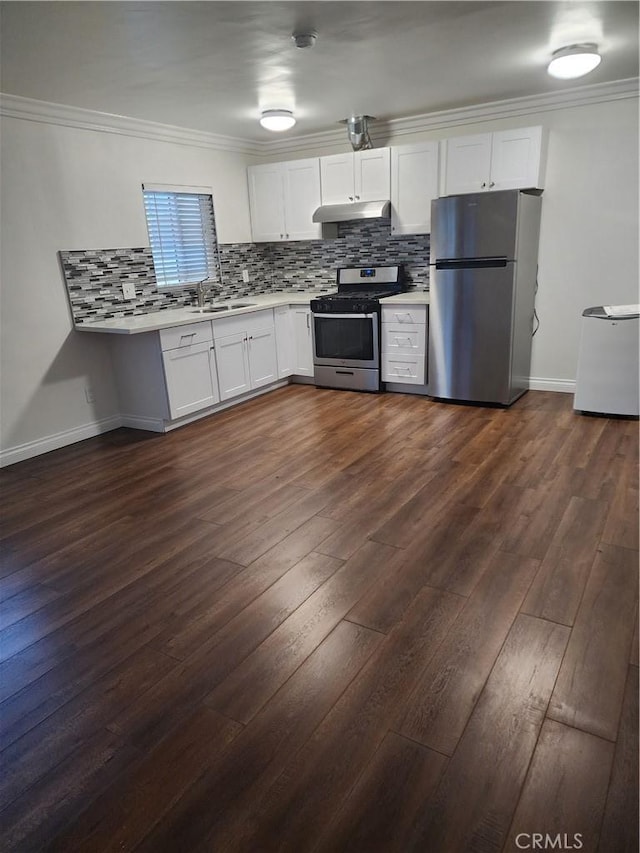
{"x":576,"y":60}
{"x":277,"y":120}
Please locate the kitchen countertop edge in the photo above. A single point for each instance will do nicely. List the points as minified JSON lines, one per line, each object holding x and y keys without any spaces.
{"x":156,"y":320}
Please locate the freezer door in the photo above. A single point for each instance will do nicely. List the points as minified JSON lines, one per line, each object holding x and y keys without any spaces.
{"x":470,"y":334}
{"x":478,"y":225}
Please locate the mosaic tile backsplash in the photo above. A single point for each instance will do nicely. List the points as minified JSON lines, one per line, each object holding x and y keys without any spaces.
{"x":94,"y":278}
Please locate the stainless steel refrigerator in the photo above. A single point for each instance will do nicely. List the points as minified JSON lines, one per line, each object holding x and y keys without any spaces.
{"x":484,"y":256}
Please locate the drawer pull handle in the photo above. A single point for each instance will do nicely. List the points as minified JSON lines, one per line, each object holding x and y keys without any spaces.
{"x":345,"y":372}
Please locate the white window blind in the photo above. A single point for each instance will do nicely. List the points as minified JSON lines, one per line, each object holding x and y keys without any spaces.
{"x":182,"y":234}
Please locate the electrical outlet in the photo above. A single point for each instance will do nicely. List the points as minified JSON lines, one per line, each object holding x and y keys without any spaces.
{"x":245,"y":276}
{"x":128,"y":290}
{"x":89,"y":395}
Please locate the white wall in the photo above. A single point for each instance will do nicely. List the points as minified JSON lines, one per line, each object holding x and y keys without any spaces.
{"x":589,"y":231}
{"x":70,"y":188}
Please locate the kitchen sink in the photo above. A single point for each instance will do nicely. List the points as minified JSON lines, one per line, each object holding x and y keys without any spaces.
{"x":215,"y":309}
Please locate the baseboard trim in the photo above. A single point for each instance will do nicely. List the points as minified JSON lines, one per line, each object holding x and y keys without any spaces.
{"x":147,"y":424}
{"x":61,"y":439}
{"x":54,"y":442}
{"x":541,"y":383}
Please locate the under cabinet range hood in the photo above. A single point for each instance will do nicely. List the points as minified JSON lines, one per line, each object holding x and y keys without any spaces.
{"x":353,"y":210}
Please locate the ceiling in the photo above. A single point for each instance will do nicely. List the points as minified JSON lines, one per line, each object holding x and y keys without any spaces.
{"x":214,"y":66}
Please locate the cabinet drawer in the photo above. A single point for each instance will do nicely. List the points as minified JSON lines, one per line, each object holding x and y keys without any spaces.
{"x":404,"y":368}
{"x":404,"y":314}
{"x":182,"y":336}
{"x":250,"y":322}
{"x":407,"y":338}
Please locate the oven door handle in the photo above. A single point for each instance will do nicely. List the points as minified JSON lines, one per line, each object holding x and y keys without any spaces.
{"x":345,"y":316}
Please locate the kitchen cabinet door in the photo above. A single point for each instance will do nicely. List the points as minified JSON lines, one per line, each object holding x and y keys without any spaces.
{"x":504,"y":160}
{"x":414,"y":183}
{"x":284,"y":341}
{"x":233,"y":365}
{"x":301,"y":199}
{"x":302,"y":317}
{"x":261,"y":350}
{"x":336,"y":178}
{"x":283,"y":198}
{"x":516,"y":158}
{"x":191,"y":381}
{"x":266,"y":202}
{"x":372,"y":174}
{"x":468,"y":164}
{"x":356,"y":176}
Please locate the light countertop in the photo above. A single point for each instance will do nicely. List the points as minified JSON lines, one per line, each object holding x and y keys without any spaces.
{"x":156,"y":320}
{"x":412,"y":297}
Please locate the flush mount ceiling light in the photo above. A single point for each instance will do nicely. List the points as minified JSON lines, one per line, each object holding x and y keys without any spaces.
{"x":277,"y":120}
{"x":576,"y":60}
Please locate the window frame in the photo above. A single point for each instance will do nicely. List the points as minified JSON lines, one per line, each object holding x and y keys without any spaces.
{"x":209,"y":238}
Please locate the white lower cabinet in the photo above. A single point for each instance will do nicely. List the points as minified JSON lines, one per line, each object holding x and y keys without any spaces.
{"x":301,"y":319}
{"x":233,"y":367}
{"x":174,"y":373}
{"x":190,"y":375}
{"x":245,"y":352}
{"x":189,"y":367}
{"x":404,"y":344}
{"x":285,"y":349}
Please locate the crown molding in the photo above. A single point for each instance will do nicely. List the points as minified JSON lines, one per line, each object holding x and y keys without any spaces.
{"x":445,"y":119}
{"x":29,"y":109}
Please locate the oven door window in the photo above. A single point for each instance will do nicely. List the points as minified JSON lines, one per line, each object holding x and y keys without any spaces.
{"x":344,"y":338}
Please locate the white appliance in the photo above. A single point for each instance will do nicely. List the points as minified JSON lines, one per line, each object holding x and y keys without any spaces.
{"x":607,"y":380}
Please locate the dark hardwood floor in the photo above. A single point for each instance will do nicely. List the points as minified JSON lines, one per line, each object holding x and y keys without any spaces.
{"x":325,"y":621}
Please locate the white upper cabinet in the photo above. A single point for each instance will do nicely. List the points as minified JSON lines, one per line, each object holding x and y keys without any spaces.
{"x":414,"y":183}
{"x":504,"y":160}
{"x":337,"y":178}
{"x":283,"y":198}
{"x":266,"y":200}
{"x":356,"y":176}
{"x":372,"y":173}
{"x":516,"y":159}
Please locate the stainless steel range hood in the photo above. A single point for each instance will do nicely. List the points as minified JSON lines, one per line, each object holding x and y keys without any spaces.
{"x":355,"y":210}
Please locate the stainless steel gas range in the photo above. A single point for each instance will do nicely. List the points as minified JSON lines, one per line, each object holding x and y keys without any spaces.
{"x":346,"y":327}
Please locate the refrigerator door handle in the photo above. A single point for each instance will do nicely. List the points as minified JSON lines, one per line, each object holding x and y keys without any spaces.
{"x":472,"y":264}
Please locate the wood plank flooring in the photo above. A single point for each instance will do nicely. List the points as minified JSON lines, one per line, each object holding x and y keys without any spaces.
{"x":321,"y":622}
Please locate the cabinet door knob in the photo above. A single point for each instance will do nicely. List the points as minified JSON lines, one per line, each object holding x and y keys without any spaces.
{"x":357,"y":198}
{"x":282,"y":235}
{"x":483,"y":185}
{"x":350,"y":198}
{"x":492,"y":184}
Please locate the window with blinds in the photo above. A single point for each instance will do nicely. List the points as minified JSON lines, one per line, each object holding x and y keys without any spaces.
{"x":182,"y":234}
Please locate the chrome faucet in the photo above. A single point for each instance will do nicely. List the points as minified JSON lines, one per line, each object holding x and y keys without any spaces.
{"x":202,"y":293}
